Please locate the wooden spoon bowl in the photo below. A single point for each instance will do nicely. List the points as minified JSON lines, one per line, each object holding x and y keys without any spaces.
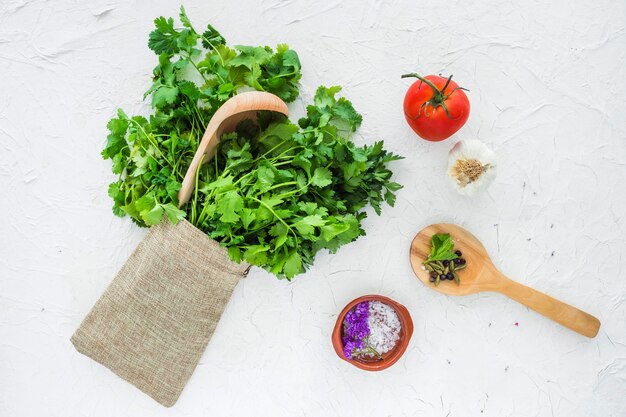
{"x":480,"y":274}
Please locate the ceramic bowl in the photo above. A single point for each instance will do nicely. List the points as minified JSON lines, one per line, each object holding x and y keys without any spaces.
{"x":388,"y":358}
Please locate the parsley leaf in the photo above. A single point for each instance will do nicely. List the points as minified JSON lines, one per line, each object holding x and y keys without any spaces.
{"x":164,"y":39}
{"x":321,"y":177}
{"x":293,"y":265}
{"x":229,"y":205}
{"x":211,"y":38}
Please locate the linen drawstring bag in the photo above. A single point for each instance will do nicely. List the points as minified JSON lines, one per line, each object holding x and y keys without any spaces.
{"x":154,"y":321}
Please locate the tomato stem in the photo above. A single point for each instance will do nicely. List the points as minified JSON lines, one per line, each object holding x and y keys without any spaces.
{"x":439,"y":96}
{"x":443,"y":90}
{"x":453,"y":90}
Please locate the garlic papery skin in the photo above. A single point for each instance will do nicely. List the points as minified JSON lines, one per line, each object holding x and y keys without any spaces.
{"x":471,"y":166}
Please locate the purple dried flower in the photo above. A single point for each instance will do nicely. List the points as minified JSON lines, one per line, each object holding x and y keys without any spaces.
{"x":362,"y":309}
{"x":355,"y":329}
{"x":347,"y":349}
{"x":359,"y":343}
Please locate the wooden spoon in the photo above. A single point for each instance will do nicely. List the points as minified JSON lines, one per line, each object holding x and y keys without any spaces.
{"x":481,"y":275}
{"x":234,"y":110}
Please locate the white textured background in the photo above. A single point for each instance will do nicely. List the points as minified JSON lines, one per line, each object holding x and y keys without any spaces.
{"x":547,"y":81}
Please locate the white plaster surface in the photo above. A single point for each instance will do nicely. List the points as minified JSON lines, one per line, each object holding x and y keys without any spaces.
{"x":548,"y":94}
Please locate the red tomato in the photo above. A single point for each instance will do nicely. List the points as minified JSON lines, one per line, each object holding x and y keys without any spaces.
{"x":435,"y":107}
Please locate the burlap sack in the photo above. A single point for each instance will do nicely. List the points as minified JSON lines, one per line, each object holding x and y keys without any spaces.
{"x":154,"y":321}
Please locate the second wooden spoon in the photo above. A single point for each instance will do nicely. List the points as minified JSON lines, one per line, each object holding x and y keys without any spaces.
{"x":481,"y":275}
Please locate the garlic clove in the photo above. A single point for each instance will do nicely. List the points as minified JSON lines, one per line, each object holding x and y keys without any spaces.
{"x":471,"y":166}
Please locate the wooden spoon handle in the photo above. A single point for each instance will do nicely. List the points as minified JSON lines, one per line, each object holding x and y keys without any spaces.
{"x":562,"y":313}
{"x":225,"y":119}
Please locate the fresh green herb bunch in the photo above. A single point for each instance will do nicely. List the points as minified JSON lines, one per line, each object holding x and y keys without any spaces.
{"x":276,"y":192}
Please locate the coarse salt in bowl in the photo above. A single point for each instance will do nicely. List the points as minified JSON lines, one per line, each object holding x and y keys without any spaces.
{"x":379,"y":330}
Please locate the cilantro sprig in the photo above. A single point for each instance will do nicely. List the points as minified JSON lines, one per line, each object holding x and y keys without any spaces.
{"x":275,"y":193}
{"x":441,"y":249}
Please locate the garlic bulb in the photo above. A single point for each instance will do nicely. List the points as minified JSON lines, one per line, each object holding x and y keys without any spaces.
{"x":471,"y":166}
